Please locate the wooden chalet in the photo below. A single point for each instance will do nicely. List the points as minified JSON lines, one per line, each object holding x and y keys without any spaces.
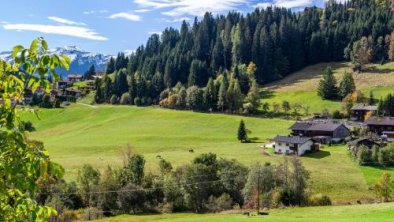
{"x":360,"y":111}
{"x":322,"y":132}
{"x":298,"y":145}
{"x":75,"y":78}
{"x":379,"y":125}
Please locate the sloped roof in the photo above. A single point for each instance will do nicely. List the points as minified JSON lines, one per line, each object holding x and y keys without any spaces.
{"x":365,"y":108}
{"x":381,"y":121}
{"x":326,"y":127}
{"x":300,"y":126}
{"x":291,"y":139}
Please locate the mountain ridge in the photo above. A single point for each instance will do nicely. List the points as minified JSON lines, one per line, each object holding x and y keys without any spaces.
{"x":81,"y":60}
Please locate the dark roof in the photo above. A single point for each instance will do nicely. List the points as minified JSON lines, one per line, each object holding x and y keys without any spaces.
{"x":291,"y":139}
{"x":365,"y":108}
{"x":300,"y":126}
{"x":326,"y":127}
{"x":380,"y":121}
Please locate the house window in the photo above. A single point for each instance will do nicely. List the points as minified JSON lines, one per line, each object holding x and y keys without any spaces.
{"x":280,"y":144}
{"x":287,"y":144}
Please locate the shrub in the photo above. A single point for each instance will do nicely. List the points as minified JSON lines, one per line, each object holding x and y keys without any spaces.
{"x":364,"y":155}
{"x":131,"y":198}
{"x":125,"y":99}
{"x":217,"y":204}
{"x":337,"y":115}
{"x":137,"y":101}
{"x":27,"y":126}
{"x":46,"y":101}
{"x":93,"y":214}
{"x":56,"y":103}
{"x":113,"y":100}
{"x":320,"y":200}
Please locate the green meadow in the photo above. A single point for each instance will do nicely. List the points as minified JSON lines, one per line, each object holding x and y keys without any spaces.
{"x":100,"y":135}
{"x":355,"y":213}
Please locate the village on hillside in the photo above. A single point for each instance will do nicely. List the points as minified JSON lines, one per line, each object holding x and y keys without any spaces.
{"x":365,"y":128}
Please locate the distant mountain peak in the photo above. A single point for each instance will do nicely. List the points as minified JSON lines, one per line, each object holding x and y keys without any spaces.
{"x":81,"y":60}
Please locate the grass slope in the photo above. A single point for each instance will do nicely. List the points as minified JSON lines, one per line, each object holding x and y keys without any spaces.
{"x":356,"y":213}
{"x":301,"y":86}
{"x":82,"y":134}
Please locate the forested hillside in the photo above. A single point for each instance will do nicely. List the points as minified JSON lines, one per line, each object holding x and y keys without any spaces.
{"x":239,"y":50}
{"x":277,"y":40}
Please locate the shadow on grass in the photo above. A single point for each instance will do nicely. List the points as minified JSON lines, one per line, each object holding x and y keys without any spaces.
{"x":266,"y":94}
{"x":379,"y":71}
{"x":318,"y":155}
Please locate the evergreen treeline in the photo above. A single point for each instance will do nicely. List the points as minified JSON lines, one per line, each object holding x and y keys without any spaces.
{"x":276,"y":40}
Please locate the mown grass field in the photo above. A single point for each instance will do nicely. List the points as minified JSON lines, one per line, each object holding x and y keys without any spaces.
{"x":98,"y":135}
{"x":301,"y":86}
{"x":82,"y":134}
{"x":355,"y":213}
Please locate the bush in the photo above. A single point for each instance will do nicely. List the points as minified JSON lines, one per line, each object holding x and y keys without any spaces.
{"x":337,"y":115}
{"x":137,"y":101}
{"x":27,"y":126}
{"x":93,"y":214}
{"x":56,"y":104}
{"x":320,"y":200}
{"x":224,"y":202}
{"x":125,"y":99}
{"x":113,"y":100}
{"x":46,"y":101}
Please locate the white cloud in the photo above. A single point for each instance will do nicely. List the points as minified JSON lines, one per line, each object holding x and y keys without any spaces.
{"x":263,"y":5}
{"x":74,"y":31}
{"x":177,"y":8}
{"x":125,"y":15}
{"x":293,"y":3}
{"x":178,"y":19}
{"x":154,"y":32}
{"x":102,"y":11}
{"x":142,"y":10}
{"x":65,"y":21}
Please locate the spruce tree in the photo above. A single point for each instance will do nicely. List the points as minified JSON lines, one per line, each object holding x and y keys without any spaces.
{"x":242,"y":133}
{"x":222,"y":96}
{"x":327,"y":86}
{"x":210,"y":95}
{"x":371,"y":99}
{"x":347,"y":85}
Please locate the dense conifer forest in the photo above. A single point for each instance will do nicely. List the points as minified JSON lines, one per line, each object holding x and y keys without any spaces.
{"x":239,"y":50}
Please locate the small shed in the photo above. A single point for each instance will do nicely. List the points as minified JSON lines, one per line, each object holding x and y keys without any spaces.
{"x":360,"y":111}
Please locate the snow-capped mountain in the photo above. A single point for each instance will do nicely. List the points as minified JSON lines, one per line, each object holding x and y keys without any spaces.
{"x":80,"y":60}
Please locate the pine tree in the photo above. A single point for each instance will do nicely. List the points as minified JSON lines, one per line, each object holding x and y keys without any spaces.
{"x":222,"y":96}
{"x":110,"y":66}
{"x":237,"y":96}
{"x":242,"y":133}
{"x":210,"y":95}
{"x":121,"y":83}
{"x":347,"y":85}
{"x":327,"y":86}
{"x":371,"y":99}
{"x":253,"y":98}
{"x":90,"y":73}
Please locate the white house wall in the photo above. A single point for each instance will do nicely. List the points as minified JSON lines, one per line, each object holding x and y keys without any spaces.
{"x":304,"y":147}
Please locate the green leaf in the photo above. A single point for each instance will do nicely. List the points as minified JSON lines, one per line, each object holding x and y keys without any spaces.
{"x":34,"y":46}
{"x":44,"y":45}
{"x":16,"y":50}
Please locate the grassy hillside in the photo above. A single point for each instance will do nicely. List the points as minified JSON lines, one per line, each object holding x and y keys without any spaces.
{"x":301,"y":86}
{"x":359,"y":213}
{"x":98,"y":135}
{"x":82,"y":134}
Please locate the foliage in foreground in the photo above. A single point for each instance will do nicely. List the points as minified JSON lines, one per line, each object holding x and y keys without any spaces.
{"x":24,"y":164}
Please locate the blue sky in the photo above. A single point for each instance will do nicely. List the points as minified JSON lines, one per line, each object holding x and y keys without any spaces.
{"x":109,"y":26}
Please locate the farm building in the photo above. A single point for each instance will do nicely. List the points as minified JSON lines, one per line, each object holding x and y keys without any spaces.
{"x":292,"y":144}
{"x":75,"y":78}
{"x":323,"y":132}
{"x":360,"y":111}
{"x":379,"y":125}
